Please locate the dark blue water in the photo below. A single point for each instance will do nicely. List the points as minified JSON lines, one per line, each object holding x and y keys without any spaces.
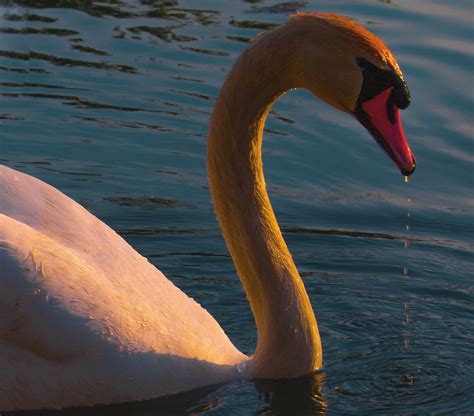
{"x":109,"y":101}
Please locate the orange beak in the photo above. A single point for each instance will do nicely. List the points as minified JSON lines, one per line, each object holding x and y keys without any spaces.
{"x":381,"y":117}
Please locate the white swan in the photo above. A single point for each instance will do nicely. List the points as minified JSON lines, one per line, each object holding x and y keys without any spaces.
{"x":85,"y":319}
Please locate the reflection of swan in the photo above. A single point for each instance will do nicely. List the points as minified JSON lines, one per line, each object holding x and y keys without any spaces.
{"x":85,"y":319}
{"x":297,"y":396}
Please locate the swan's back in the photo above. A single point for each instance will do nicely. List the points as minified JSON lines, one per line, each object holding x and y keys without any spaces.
{"x":80,"y":308}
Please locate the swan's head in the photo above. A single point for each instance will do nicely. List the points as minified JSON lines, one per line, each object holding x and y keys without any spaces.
{"x":353,"y":70}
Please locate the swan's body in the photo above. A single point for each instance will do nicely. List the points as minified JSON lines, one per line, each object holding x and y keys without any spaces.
{"x":81,"y":309}
{"x":85,"y":319}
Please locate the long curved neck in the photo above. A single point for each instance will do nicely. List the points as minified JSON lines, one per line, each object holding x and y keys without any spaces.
{"x":288,"y":337}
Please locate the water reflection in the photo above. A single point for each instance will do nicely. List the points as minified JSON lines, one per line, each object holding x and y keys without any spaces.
{"x":179,"y":404}
{"x":302,"y":396}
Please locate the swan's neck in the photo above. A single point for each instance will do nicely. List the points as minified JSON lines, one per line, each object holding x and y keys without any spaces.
{"x":288,"y":337}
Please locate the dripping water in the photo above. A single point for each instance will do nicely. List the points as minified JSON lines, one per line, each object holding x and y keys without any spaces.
{"x":406,"y":245}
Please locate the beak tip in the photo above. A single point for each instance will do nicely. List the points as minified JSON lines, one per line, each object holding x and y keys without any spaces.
{"x":408,"y":171}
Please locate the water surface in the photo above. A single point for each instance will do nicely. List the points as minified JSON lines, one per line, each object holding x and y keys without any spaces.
{"x":109,"y":102}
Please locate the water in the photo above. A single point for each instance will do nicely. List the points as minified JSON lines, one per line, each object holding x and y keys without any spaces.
{"x":109,"y":102}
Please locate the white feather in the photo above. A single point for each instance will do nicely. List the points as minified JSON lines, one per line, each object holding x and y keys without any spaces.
{"x":84,"y":318}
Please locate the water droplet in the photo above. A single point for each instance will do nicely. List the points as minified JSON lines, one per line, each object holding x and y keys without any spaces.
{"x":406,"y":243}
{"x":408,"y":227}
{"x":242,"y":367}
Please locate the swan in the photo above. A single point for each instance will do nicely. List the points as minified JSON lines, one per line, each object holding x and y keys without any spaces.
{"x":86,"y":320}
